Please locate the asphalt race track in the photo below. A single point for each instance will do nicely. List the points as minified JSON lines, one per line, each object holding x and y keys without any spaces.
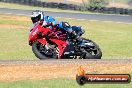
{"x":80,"y":16}
{"x":67,"y":61}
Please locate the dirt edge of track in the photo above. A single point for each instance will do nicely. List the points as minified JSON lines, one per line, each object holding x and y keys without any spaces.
{"x":40,"y":71}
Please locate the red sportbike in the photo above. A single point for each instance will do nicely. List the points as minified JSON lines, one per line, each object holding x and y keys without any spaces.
{"x":46,"y":43}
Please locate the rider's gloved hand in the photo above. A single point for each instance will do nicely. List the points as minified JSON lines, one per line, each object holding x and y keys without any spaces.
{"x":44,"y":24}
{"x":73,"y":35}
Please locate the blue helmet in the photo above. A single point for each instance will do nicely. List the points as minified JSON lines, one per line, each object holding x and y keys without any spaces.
{"x":49,"y":19}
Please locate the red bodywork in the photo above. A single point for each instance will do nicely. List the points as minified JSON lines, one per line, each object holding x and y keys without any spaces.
{"x":33,"y":36}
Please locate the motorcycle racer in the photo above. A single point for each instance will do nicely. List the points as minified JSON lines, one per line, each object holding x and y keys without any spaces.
{"x":50,"y":21}
{"x":47,"y":43}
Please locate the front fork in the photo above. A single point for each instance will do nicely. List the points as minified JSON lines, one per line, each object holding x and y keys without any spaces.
{"x":46,"y":46}
{"x":44,"y":43}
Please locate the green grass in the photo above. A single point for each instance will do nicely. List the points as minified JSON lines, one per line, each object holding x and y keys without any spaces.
{"x":57,"y":83}
{"x":14,"y":42}
{"x":114,"y":39}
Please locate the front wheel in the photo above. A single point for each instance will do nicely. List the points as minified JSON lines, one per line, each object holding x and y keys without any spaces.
{"x":92,"y":50}
{"x":40,"y":51}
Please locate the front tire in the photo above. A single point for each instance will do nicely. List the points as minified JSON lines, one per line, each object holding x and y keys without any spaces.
{"x":40,"y":53}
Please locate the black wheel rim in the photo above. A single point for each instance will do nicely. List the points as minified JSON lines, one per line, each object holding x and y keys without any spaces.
{"x":43,"y":51}
{"x":93,"y":50}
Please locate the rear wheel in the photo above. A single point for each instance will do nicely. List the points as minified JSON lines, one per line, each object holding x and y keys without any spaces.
{"x":40,"y":51}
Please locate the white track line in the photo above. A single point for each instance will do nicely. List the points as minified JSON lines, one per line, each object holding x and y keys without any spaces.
{"x":81,"y":19}
{"x":57,"y":17}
